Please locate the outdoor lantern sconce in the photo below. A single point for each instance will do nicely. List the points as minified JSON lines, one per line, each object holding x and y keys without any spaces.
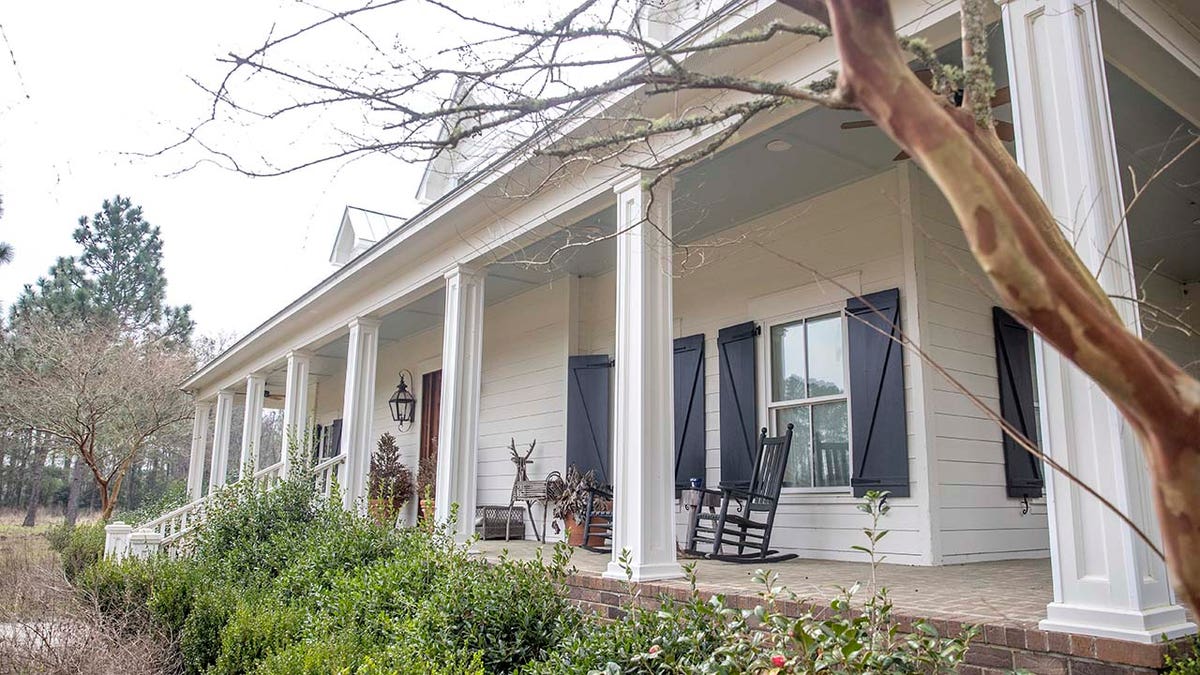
{"x":403,"y":403}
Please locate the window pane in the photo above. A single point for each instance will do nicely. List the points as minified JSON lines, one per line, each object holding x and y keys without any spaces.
{"x":831,"y":444}
{"x":787,"y":362}
{"x":799,"y":471}
{"x":826,"y":374}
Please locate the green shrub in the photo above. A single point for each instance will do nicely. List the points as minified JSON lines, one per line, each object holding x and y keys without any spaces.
{"x":177,"y":584}
{"x":1183,"y":658}
{"x":699,"y":636}
{"x":121,"y":590}
{"x":256,"y":630}
{"x":334,"y":653}
{"x":200,"y":637}
{"x":78,"y":547}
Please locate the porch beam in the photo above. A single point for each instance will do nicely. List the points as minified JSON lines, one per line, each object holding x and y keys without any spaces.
{"x":195,"y":476}
{"x":256,"y":387}
{"x":462,"y":373}
{"x":358,"y":410}
{"x":1106,"y":581}
{"x":295,"y":406}
{"x":643,"y":461}
{"x":220,"y":447}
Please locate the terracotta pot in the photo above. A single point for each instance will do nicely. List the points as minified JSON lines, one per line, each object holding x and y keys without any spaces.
{"x":575,"y":529}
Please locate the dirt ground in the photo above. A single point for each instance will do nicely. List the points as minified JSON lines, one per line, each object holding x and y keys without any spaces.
{"x":47,"y":626}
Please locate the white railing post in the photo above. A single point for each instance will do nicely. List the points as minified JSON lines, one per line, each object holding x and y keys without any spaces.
{"x":116,"y":540}
{"x":144,"y":543}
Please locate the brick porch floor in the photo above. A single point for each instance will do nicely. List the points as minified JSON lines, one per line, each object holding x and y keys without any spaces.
{"x":1010,"y":592}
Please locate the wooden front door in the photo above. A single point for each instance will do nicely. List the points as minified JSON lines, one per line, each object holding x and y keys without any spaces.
{"x":431,"y":414}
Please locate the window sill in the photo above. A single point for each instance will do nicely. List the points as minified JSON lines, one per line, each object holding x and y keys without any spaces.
{"x":800,"y":491}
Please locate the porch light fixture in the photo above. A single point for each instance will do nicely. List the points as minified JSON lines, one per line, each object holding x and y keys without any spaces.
{"x":778,"y":145}
{"x":403,"y":404}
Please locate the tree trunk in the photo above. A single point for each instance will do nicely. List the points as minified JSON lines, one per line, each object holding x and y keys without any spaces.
{"x":40,"y":447}
{"x":72,"y":508}
{"x":1034,"y":269}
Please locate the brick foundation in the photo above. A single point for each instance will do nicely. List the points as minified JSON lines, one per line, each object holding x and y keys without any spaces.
{"x":997,"y":649}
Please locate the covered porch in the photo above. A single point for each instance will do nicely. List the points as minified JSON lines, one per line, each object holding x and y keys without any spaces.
{"x":486,"y":307}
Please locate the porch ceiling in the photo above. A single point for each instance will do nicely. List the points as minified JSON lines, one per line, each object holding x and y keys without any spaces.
{"x":1164,"y":226}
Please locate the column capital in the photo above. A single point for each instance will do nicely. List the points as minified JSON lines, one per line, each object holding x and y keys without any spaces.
{"x":203,"y":404}
{"x":465,"y":271}
{"x":299,"y":354}
{"x":367,"y":322}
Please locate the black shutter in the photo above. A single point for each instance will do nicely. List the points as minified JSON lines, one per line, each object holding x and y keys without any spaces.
{"x":877,"y":415}
{"x":689,"y":409}
{"x":318,"y":441}
{"x":735,"y":350}
{"x":588,"y":401}
{"x":335,"y":437}
{"x":1014,"y":366}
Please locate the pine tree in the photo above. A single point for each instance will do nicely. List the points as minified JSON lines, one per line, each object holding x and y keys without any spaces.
{"x":117,"y":277}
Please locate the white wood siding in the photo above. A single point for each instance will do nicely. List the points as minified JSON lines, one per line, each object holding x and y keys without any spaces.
{"x":976,"y":519}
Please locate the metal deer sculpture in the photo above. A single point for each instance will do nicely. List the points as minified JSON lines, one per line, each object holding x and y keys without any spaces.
{"x":522,"y":462}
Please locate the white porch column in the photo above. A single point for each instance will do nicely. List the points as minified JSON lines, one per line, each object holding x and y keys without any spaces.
{"x":295,"y":405}
{"x":256,"y":386}
{"x":195,"y":478}
{"x":358,"y":408}
{"x":220,"y":447}
{"x":1106,"y":581}
{"x":643,"y":461}
{"x":462,"y":362}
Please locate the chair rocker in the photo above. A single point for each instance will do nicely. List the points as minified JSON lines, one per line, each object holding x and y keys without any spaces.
{"x":598,"y":520}
{"x":749,"y":530}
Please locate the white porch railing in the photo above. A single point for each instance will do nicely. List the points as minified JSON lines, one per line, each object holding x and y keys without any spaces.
{"x":122,"y":540}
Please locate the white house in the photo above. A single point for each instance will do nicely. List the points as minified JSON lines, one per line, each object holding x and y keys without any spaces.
{"x":654,"y":367}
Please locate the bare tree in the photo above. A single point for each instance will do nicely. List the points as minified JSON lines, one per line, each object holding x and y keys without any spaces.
{"x":101,"y":392}
{"x":586,"y":86}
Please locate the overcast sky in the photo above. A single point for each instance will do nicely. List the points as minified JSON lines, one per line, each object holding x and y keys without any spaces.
{"x":95,"y":80}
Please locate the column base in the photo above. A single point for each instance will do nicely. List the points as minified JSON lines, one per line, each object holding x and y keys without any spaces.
{"x":644,"y":571}
{"x":1148,"y":626}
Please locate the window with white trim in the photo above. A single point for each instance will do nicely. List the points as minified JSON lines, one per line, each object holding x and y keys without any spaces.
{"x":807,"y":388}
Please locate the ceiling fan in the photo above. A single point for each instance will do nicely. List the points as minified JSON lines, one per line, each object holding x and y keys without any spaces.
{"x":1004,"y":129}
{"x":274,"y":397}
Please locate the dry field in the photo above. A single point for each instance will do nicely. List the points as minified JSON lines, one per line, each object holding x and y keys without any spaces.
{"x":46,"y":626}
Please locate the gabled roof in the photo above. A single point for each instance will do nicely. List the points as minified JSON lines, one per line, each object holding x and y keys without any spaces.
{"x":359,"y":230}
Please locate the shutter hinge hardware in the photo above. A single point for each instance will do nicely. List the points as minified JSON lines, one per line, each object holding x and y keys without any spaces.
{"x":1025,"y":505}
{"x":757,"y":330}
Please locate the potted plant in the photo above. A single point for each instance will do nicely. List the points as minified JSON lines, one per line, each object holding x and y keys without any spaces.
{"x":568,"y":497}
{"x":389,"y":484}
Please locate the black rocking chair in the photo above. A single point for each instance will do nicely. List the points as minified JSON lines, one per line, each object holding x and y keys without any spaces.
{"x":598,"y":520}
{"x":750,"y":530}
